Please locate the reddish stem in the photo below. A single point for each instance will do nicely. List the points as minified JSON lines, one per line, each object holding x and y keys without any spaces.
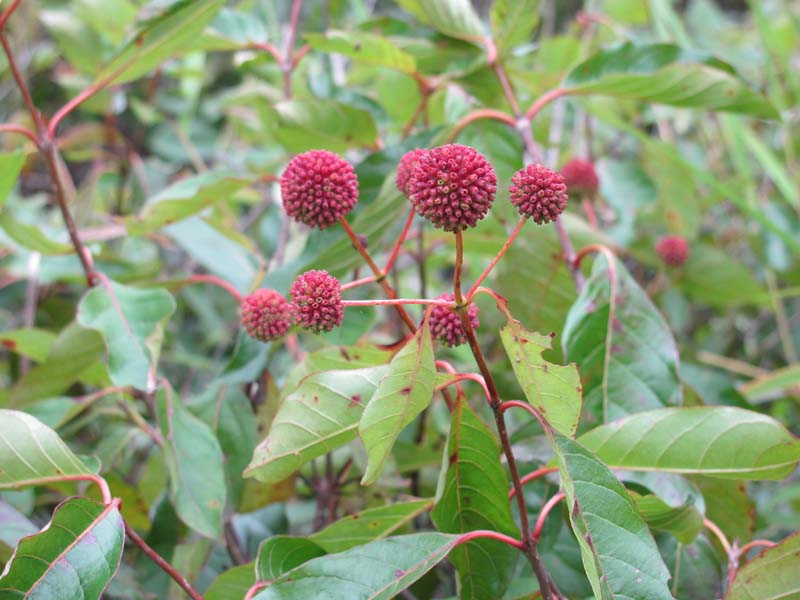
{"x":458,"y":377}
{"x":228,"y":287}
{"x":713,"y":528}
{"x":477,"y":115}
{"x":496,"y":259}
{"x":20,"y":129}
{"x":591,"y":215}
{"x":17,"y":75}
{"x":162,"y":564}
{"x":96,"y":479}
{"x":755,"y":544}
{"x":537,"y":529}
{"x":502,"y":76}
{"x":544,"y":100}
{"x":531,"y":476}
{"x":4,"y":16}
{"x":399,"y":243}
{"x":490,"y":535}
{"x":397,"y":302}
{"x":500,"y":301}
{"x":358,"y":282}
{"x":255,"y":588}
{"x":288,"y":65}
{"x":268,"y":48}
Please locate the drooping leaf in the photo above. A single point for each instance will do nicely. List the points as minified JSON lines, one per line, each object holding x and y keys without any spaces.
{"x":160,"y":38}
{"x":772,"y":384}
{"x":368,"y":525}
{"x":770,"y":575}
{"x":684,"y":522}
{"x":375,"y":571}
{"x":75,"y":556}
{"x":195,"y":464}
{"x":185,"y":198}
{"x":513,"y":22}
{"x":702,"y":440}
{"x":667,"y":74}
{"x":626,"y":355}
{"x":619,"y":554}
{"x":363,"y":47}
{"x":474,"y":495}
{"x":455,"y":18}
{"x":33,"y":453}
{"x":282,"y":553}
{"x":554,"y":390}
{"x":320,"y":415}
{"x":131,"y":321}
{"x":404,"y":391}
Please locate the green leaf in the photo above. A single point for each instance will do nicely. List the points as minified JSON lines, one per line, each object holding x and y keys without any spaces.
{"x":160,"y":38}
{"x":713,"y":277}
{"x":772,"y":384}
{"x":10,"y":166}
{"x":554,"y":390}
{"x":619,"y":554}
{"x":703,"y":440}
{"x":729,"y":506}
{"x":74,"y":556}
{"x":30,"y":236}
{"x":667,"y":74}
{"x":404,"y":391}
{"x":320,"y":415}
{"x":376,"y":571}
{"x":513,"y":22}
{"x":33,"y":453}
{"x":195,"y":464}
{"x":185,"y":198}
{"x":698,"y":568}
{"x":231,"y":30}
{"x":474,"y":495}
{"x":282,"y":553}
{"x":368,"y":525}
{"x":233,"y":583}
{"x":365,"y":48}
{"x":454,"y":18}
{"x":770,"y":575}
{"x":684,"y":521}
{"x":131,"y":321}
{"x":29,"y":341}
{"x":626,"y":355}
{"x":310,"y":123}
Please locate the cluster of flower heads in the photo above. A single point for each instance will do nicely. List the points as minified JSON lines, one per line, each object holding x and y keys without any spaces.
{"x":316,"y":305}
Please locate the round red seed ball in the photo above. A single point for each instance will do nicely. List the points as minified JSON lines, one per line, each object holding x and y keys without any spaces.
{"x":318,"y":187}
{"x":405,"y":167}
{"x":673,"y":250}
{"x":539,"y":193}
{"x":266,"y":315}
{"x":317,"y":301}
{"x":446,"y":324}
{"x":580,"y":176}
{"x":453,"y":186}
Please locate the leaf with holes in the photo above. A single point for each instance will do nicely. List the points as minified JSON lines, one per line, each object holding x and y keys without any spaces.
{"x":376,"y":571}
{"x":32,"y":453}
{"x":131,"y":321}
{"x":770,"y":575}
{"x":619,"y":554}
{"x":626,"y":355}
{"x":554,"y":390}
{"x":474,"y":495}
{"x":320,"y":415}
{"x":404,"y":391}
{"x":195,"y":464}
{"x":74,"y":556}
{"x":701,"y":440}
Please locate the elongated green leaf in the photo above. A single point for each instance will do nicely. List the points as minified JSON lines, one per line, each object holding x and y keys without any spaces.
{"x":10,"y":166}
{"x":773,"y":166}
{"x":75,"y":556}
{"x":667,"y":74}
{"x":705,"y":440}
{"x":375,"y":571}
{"x":513,"y":22}
{"x":310,"y":123}
{"x":554,"y":390}
{"x":772,"y":385}
{"x":282,"y":553}
{"x":771,"y":575}
{"x":160,"y":38}
{"x":33,"y":453}
{"x":684,"y":522}
{"x":322,"y":414}
{"x":30,"y":236}
{"x":474,"y":495}
{"x":626,"y":355}
{"x":131,"y":322}
{"x":405,"y":391}
{"x":368,"y":525}
{"x":195,"y":464}
{"x":184,"y":199}
{"x":363,"y":47}
{"x":455,"y":18}
{"x":619,"y":554}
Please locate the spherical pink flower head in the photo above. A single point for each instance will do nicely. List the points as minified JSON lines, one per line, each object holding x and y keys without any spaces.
{"x":539,"y":193}
{"x":452,"y":186}
{"x":405,"y":167}
{"x":446,"y":324}
{"x":580,"y":176}
{"x":318,"y":187}
{"x":317,"y":301}
{"x":266,"y":315}
{"x":673,"y":250}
